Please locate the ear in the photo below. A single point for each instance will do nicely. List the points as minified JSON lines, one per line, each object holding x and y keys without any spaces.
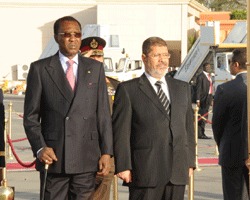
{"x":237,"y":65}
{"x":56,"y":39}
{"x":143,"y":57}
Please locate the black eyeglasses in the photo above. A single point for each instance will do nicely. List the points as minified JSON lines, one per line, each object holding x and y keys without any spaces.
{"x":68,"y":35}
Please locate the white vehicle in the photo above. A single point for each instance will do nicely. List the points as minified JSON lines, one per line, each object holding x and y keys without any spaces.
{"x":127,"y":69}
{"x":207,"y":48}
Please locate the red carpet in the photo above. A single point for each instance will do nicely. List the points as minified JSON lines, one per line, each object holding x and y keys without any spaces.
{"x":208,"y":161}
{"x":17,"y":166}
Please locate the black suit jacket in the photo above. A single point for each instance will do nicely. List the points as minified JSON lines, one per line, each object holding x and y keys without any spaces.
{"x":201,"y":90}
{"x":227,"y":121}
{"x":155,"y":147}
{"x":76,"y":125}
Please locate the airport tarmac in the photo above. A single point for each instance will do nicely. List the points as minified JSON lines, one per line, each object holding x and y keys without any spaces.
{"x":207,"y":181}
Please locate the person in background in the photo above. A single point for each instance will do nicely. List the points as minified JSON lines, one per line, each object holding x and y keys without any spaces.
{"x":203,"y":96}
{"x":154,"y":141}
{"x":229,"y":124}
{"x":67,"y":118}
{"x":2,"y":141}
{"x":93,"y":47}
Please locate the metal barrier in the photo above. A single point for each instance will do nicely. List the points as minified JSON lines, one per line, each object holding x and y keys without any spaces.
{"x":10,"y":130}
{"x":6,"y":193}
{"x":196,"y":109}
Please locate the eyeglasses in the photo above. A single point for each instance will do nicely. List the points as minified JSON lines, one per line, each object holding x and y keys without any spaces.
{"x":68,"y":35}
{"x":163,"y":55}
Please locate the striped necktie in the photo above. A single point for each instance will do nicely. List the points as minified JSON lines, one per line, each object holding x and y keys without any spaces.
{"x":163,"y":98}
{"x":70,"y":74}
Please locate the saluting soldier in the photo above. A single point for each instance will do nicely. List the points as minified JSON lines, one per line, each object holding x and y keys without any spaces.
{"x":93,"y":47}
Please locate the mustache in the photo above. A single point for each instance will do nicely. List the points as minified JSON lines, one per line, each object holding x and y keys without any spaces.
{"x":163,"y":63}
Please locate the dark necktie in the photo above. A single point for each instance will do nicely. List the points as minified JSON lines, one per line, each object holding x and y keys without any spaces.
{"x":163,"y":98}
{"x":70,"y":74}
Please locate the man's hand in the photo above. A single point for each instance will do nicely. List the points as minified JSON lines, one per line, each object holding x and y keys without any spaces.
{"x":47,"y":155}
{"x":248,"y":163}
{"x":88,"y":54}
{"x":104,"y":165}
{"x":191,"y":172}
{"x":198,"y":103}
{"x":125,"y":176}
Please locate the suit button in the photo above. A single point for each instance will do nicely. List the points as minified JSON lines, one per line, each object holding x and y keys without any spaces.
{"x":85,"y":118}
{"x":67,"y":118}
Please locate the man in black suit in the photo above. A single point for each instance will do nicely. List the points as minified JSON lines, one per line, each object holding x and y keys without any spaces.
{"x":203,"y":96}
{"x":67,"y":122}
{"x":229,"y":129}
{"x":2,"y":141}
{"x":154,"y":144}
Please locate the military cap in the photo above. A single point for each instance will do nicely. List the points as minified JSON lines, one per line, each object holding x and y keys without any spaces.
{"x":93,"y":43}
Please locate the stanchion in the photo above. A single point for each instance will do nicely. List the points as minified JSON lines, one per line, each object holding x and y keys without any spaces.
{"x":115,"y":188}
{"x":191,"y":187}
{"x":196,"y":109}
{"x":216,"y":150}
{"x":6,"y":193}
{"x":9,"y":131}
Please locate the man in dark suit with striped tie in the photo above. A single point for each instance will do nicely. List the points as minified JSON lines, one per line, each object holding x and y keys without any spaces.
{"x":154,"y":143}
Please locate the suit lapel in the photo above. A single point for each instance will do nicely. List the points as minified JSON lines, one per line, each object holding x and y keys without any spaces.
{"x":57,"y":75}
{"x":149,"y":91}
{"x":172,"y":91}
{"x":84,"y":73}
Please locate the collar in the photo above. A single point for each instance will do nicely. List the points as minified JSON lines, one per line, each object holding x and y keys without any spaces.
{"x":243,"y":72}
{"x":153,"y":80}
{"x":64,"y":59}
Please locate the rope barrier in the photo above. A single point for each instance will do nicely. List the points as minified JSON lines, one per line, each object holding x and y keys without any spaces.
{"x":205,"y":119}
{"x":19,"y":140}
{"x":15,"y":155}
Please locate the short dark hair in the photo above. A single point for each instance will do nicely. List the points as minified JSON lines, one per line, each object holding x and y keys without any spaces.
{"x":58,"y":23}
{"x":240,"y":56}
{"x":152,"y":41}
{"x":205,"y":65}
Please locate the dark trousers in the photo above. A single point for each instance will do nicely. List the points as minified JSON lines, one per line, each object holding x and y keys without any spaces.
{"x":235,"y":183}
{"x":167,"y":192}
{"x":204,"y":109}
{"x":68,"y":186}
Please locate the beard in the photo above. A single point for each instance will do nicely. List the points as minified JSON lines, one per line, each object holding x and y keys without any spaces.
{"x":159,"y":71}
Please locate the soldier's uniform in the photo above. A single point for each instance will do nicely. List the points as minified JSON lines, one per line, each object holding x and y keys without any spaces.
{"x":96,"y":45}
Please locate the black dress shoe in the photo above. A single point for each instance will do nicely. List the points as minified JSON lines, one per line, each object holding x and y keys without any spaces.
{"x":204,"y":137}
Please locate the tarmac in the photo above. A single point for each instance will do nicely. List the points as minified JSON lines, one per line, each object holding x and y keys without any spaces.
{"x":207,"y":179}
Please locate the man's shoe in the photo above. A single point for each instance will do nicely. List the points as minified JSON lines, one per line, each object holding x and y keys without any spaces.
{"x":204,"y":137}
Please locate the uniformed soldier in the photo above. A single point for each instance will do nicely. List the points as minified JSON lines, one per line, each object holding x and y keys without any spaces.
{"x":93,"y":47}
